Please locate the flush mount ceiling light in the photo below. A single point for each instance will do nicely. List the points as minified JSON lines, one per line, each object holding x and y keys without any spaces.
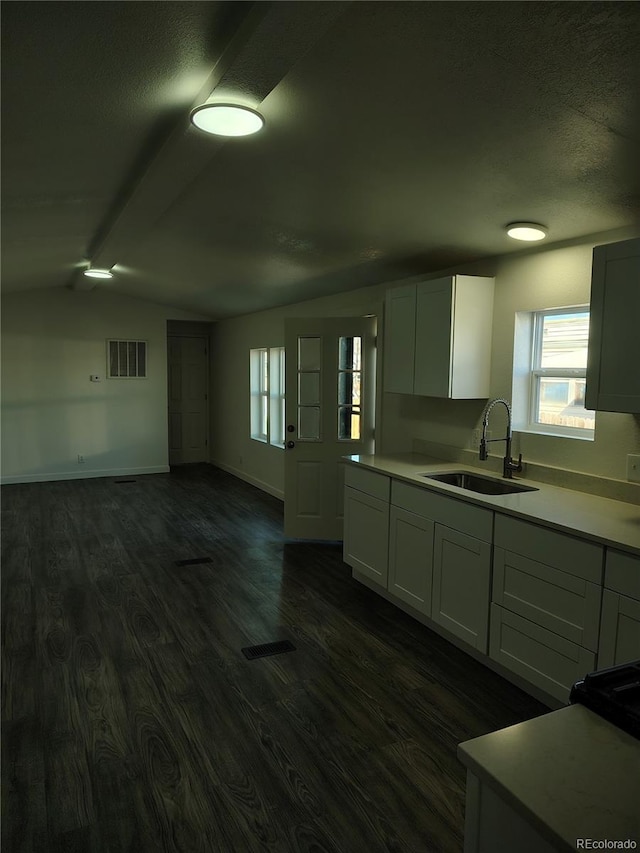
{"x":96,"y":273}
{"x":529,"y":231}
{"x":227,"y":119}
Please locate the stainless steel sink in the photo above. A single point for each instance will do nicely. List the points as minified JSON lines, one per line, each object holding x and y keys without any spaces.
{"x":478,"y":483}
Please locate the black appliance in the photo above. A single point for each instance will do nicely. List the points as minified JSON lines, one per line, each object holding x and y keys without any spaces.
{"x":614,"y":694}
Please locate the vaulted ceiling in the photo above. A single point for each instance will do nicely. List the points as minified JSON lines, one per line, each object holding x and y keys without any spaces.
{"x":400,"y":137}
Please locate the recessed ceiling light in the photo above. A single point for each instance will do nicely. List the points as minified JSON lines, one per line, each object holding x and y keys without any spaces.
{"x":227,"y":119}
{"x":94,"y":273}
{"x":529,"y":231}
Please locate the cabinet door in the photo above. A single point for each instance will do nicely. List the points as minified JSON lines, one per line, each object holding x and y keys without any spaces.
{"x":434,"y":318}
{"x":366,"y":535}
{"x":411,"y":558}
{"x":613,"y":380}
{"x":399,"y":339}
{"x":619,"y":630}
{"x":461,"y":585}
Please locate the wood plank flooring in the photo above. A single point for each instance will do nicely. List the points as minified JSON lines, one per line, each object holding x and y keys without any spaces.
{"x":131,"y":721}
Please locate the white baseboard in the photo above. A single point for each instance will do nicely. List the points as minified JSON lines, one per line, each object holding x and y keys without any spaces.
{"x":242,"y":475}
{"x":46,"y":477}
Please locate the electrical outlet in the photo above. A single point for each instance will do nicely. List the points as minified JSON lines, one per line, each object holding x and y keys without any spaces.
{"x":80,"y":459}
{"x":633,"y":467}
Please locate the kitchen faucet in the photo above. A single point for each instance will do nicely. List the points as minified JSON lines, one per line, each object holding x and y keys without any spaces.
{"x":509,"y":465}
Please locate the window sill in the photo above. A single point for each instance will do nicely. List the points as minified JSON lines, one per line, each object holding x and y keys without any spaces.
{"x":583,"y":435}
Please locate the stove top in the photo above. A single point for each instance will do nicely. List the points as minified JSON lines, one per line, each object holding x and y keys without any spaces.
{"x":614,"y":694}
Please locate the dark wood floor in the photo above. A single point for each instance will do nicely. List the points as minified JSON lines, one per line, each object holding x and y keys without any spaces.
{"x":132,"y":722}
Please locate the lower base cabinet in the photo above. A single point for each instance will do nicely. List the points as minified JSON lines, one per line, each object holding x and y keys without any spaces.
{"x":461,"y":585}
{"x":411,"y":558}
{"x":541,"y":657}
{"x":493,"y":826}
{"x":619,"y":630}
{"x":366,"y":535}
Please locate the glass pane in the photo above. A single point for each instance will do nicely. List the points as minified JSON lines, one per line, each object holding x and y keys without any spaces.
{"x":142,"y":358}
{"x":564,"y":340}
{"x":309,"y":423}
{"x":113,"y":358}
{"x":350,"y":353}
{"x":133,"y":361}
{"x":309,"y":354}
{"x":349,"y":389}
{"x":264,"y":403}
{"x":561,"y":402}
{"x":348,"y":423}
{"x":308,"y":389}
{"x":122,"y":358}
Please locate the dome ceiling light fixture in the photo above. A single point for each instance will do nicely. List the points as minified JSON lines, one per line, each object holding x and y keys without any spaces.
{"x":227,"y":119}
{"x":97,"y":273}
{"x":528,"y":231}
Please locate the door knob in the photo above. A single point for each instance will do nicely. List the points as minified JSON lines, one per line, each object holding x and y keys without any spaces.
{"x":291,"y":444}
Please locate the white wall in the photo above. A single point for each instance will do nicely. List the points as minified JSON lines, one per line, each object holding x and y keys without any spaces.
{"x":52,"y":340}
{"x":530,"y":279}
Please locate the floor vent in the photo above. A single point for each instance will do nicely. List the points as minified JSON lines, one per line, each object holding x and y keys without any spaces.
{"x":253,"y":652}
{"x":124,"y":481}
{"x":194,"y":561}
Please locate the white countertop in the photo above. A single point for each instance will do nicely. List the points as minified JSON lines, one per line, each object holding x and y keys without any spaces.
{"x":603,"y":520}
{"x":569,"y":773}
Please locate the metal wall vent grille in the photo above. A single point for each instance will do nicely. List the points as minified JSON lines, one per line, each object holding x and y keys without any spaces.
{"x":126,"y":359}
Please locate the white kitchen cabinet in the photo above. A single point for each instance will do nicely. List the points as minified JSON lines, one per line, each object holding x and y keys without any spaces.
{"x":620,"y":624}
{"x":620,"y":629}
{"x":541,"y":657}
{"x":366,"y":523}
{"x":411,"y":558}
{"x":438,"y":337}
{"x":461,"y":585}
{"x":545,"y":612}
{"x":400,"y":339}
{"x":562,"y":602}
{"x":613,"y":378}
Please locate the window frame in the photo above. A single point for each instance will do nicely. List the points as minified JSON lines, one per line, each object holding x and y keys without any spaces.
{"x":537,"y":372}
{"x":276,"y":419}
{"x":267,"y":395}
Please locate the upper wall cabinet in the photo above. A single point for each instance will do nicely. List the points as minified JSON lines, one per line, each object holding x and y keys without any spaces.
{"x":437,"y":339}
{"x":613,"y":377}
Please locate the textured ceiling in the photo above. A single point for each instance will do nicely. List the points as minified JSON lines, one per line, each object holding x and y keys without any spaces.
{"x":400,"y":137}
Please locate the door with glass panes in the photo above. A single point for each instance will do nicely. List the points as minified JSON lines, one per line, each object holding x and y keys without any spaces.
{"x":330,"y":404}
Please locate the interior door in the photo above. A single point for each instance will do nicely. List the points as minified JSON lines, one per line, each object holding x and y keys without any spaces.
{"x":188,"y":372}
{"x":330,"y":404}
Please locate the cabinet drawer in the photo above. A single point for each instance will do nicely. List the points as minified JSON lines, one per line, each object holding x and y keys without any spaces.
{"x":544,"y":659}
{"x":560,"y":550}
{"x":469,"y":519}
{"x":622,"y":573}
{"x":562,"y":603}
{"x":369,"y":482}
